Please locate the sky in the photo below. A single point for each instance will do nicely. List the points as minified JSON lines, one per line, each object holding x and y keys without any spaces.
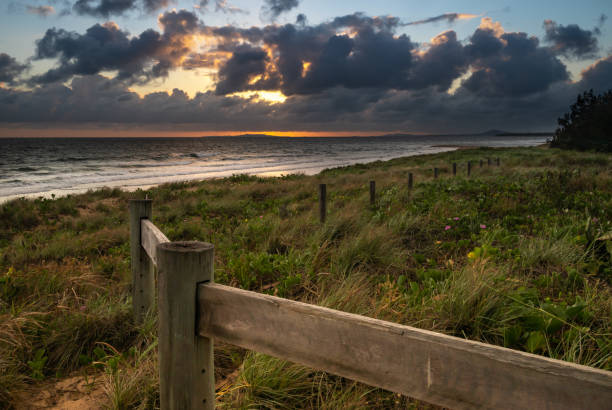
{"x":296,"y":67}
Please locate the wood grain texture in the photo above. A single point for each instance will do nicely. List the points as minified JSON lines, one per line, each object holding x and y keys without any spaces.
{"x":429,"y":366}
{"x":150,"y":237}
{"x":143,"y":279}
{"x":186,"y":369}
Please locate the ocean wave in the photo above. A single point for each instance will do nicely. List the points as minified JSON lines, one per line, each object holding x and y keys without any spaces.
{"x":93,"y":166}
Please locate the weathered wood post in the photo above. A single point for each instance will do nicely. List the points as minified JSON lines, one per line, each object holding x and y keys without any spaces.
{"x":435,"y":172}
{"x":322,"y":202}
{"x":488,"y":162}
{"x":497,"y":161}
{"x":186,"y":366}
{"x":372,"y":193}
{"x":410,"y":180}
{"x":454,"y":168}
{"x":143,"y":270}
{"x":469,"y":168}
{"x":480,"y":163}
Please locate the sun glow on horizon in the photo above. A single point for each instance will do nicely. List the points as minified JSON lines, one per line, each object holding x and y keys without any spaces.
{"x":270,"y":97}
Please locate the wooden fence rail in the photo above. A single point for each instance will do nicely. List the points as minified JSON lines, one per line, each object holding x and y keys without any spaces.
{"x":440,"y":369}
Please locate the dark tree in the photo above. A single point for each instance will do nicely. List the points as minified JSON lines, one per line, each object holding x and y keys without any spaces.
{"x":588,"y":126}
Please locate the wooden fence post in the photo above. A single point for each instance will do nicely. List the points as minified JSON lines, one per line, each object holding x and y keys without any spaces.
{"x":497,"y":160}
{"x":480,"y":163}
{"x":143,"y":271}
{"x":488,"y":162}
{"x":435,"y":172}
{"x":469,"y":168}
{"x":186,"y":365}
{"x":454,"y":168}
{"x":372,"y":193}
{"x":322,"y":202}
{"x":410,"y":180}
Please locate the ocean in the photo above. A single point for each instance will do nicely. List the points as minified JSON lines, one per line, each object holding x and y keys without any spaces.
{"x":34,"y":167}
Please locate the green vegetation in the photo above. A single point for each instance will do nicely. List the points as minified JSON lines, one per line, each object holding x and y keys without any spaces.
{"x":588,"y":125}
{"x":515,"y":255}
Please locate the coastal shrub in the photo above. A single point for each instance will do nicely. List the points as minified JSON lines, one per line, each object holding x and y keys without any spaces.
{"x":588,"y":125}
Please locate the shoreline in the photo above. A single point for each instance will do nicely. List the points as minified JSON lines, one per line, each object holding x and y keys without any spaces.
{"x":131,"y":187}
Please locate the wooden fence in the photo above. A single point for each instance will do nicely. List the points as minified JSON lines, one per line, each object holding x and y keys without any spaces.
{"x":433,"y":367}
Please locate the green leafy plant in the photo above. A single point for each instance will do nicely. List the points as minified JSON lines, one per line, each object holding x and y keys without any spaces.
{"x":37,"y":365}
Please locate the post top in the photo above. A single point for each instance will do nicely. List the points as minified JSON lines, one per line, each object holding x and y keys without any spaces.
{"x":141,"y":200}
{"x":186,"y":246}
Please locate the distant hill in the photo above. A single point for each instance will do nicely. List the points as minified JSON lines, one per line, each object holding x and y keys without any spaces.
{"x":492,"y":132}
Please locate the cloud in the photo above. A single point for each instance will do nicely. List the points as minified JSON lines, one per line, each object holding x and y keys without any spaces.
{"x":103,"y":8}
{"x":510,"y":64}
{"x":98,"y":100}
{"x":448,"y":17}
{"x":221,"y":6}
{"x":10,"y":68}
{"x":105,"y":47}
{"x":107,"y":8}
{"x":246,"y":70}
{"x":42,"y":11}
{"x":598,"y":76}
{"x":151,"y":6}
{"x":275,"y":8}
{"x":353,"y":72}
{"x":444,"y":61}
{"x":353,"y":51}
{"x":601,"y":20}
{"x":571,"y":40}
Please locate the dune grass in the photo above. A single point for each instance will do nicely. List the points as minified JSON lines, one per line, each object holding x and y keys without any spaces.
{"x":509,"y":256}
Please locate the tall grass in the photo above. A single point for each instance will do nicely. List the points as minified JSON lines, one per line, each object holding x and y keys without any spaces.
{"x":509,"y":256}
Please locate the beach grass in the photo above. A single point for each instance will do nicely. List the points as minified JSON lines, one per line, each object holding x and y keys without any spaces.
{"x":514,"y":255}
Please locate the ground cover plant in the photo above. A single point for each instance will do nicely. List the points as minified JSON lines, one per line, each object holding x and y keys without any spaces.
{"x":517,"y":255}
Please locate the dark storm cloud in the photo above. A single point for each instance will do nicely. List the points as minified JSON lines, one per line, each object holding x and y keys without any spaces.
{"x":10,"y":69}
{"x":95,"y":99}
{"x":105,"y":47}
{"x":356,"y":51}
{"x":239,"y":72}
{"x":42,"y":11}
{"x":512,"y":64}
{"x":314,"y":58}
{"x":598,"y":76}
{"x":276,"y":7}
{"x":444,"y":61}
{"x":571,"y":40}
{"x":448,"y":17}
{"x":351,"y":72}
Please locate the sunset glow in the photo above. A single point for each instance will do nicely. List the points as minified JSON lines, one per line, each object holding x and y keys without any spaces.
{"x":219,"y":67}
{"x":270,"y":97}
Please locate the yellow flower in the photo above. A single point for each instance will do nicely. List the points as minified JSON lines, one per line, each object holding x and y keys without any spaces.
{"x":471,"y":255}
{"x":438,"y":242}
